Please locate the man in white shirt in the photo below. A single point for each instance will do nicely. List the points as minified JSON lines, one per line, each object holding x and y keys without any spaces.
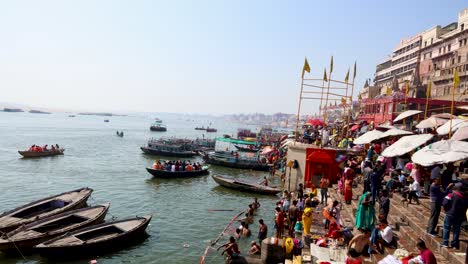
{"x":381,"y":237}
{"x":414,"y":191}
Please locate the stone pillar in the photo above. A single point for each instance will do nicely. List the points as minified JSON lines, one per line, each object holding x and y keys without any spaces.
{"x":272,"y":253}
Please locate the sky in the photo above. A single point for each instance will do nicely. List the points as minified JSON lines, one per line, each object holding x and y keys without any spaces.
{"x":214,"y":57}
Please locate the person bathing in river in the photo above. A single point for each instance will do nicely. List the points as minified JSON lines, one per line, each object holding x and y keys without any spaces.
{"x":255,"y":204}
{"x":231,"y":248}
{"x":264,"y":182}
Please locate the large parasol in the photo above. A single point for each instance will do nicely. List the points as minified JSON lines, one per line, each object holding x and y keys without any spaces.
{"x":444,"y":151}
{"x":406,"y":114}
{"x":406,"y":144}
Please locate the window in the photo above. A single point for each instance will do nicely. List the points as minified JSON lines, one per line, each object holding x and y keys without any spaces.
{"x":430,"y":54}
{"x":459,"y":59}
{"x":429,"y":67}
{"x":449,"y":45}
{"x":462,"y":27}
{"x":432,"y":41}
{"x":464,"y":42}
{"x":425,"y":43}
{"x":440,"y":50}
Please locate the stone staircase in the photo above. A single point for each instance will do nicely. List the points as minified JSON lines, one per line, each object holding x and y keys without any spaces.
{"x":409,"y":224}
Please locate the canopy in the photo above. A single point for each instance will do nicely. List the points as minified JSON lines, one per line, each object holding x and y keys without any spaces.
{"x":461,"y":133}
{"x":315,"y":122}
{"x":431,"y":122}
{"x":463,"y":107}
{"x":406,"y":114}
{"x":456,"y":124}
{"x":405,"y":145}
{"x":441,"y":152}
{"x":444,"y":115}
{"x":385,"y":127}
{"x":395,"y":132}
{"x":368,"y":137}
{"x":355,"y":127}
{"x":236,"y":141}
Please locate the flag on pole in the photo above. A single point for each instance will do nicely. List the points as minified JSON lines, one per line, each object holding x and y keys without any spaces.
{"x":306,"y":68}
{"x":343,"y":100}
{"x":331,"y":64}
{"x":346,"y":78}
{"x":335,"y":104}
{"x":359,"y":97}
{"x":354,"y":74}
{"x":428,"y":91}
{"x":325,"y":75}
{"x":389,"y":91}
{"x":456,"y":78}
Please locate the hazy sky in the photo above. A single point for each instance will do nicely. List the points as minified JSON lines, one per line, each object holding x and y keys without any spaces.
{"x":195,"y":56}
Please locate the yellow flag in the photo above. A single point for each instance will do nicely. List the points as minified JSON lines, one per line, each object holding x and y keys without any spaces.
{"x":389,"y":91}
{"x":331,"y":64}
{"x":306,"y":68}
{"x":335,"y":104}
{"x":359,"y":97}
{"x":346,"y":78}
{"x":456,"y":79}
{"x":407,"y":87}
{"x":325,"y":75}
{"x":343,"y":100}
{"x":428,"y":91}
{"x":354,"y":74}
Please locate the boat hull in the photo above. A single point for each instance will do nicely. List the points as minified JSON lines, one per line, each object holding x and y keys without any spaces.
{"x":158,"y":129}
{"x":32,"y":154}
{"x":93,"y":248}
{"x":238,"y":164}
{"x":10,"y":219}
{"x":176,"y":174}
{"x":184,"y":154}
{"x":244,"y":186}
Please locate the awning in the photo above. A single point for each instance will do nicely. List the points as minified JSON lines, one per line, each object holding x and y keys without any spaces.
{"x":441,"y":152}
{"x":456,"y":124}
{"x":385,"y":127}
{"x":431,"y":122}
{"x":395,"y":132}
{"x":368,"y":137}
{"x":236,"y":141}
{"x":463,"y":107}
{"x":354,"y":128}
{"x":406,"y":114}
{"x":460,"y":134}
{"x":406,"y":144}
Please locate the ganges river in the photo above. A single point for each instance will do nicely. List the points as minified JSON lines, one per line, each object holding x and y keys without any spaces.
{"x":114,"y":167}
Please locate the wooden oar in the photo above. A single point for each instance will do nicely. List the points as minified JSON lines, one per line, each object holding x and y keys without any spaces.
{"x":220,"y":210}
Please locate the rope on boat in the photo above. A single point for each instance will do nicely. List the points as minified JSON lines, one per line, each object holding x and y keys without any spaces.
{"x":14,"y":244}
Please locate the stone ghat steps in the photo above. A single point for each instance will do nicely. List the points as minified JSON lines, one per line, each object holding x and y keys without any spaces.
{"x":409,"y":230}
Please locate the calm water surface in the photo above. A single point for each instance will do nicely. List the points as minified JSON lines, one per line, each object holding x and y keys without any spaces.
{"x":114,"y":167}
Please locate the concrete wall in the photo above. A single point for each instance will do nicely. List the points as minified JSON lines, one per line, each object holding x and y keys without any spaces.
{"x":296,"y":152}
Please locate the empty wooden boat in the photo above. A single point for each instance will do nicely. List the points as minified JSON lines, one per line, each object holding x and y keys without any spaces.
{"x":27,"y":236}
{"x":244,"y":186}
{"x":95,"y":239}
{"x":177,"y":174}
{"x":44,"y":208}
{"x":34,"y":154}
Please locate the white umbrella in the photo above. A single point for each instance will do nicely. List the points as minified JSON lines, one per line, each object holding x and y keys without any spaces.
{"x":405,"y":145}
{"x":395,"y":132}
{"x":368,"y":137}
{"x":456,"y":124}
{"x":406,"y":114}
{"x":431,"y":122}
{"x":385,"y":127}
{"x":441,"y":152}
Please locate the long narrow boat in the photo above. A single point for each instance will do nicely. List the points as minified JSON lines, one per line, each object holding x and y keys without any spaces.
{"x":244,"y":186}
{"x":177,"y":174}
{"x":46,"y":207}
{"x":33,"y":154}
{"x":244,"y":149}
{"x":25,"y":237}
{"x":168,"y":152}
{"x":233,"y":162}
{"x":95,"y":239}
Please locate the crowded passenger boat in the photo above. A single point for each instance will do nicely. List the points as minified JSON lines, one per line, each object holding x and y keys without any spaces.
{"x":42,"y":151}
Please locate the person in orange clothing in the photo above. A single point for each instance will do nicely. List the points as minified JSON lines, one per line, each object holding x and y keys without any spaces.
{"x":279,"y":222}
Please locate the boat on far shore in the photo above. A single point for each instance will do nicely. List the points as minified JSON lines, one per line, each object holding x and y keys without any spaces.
{"x":34,"y":154}
{"x":210,"y":130}
{"x":244,"y":186}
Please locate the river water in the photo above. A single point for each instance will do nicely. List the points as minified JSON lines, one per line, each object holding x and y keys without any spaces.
{"x":114,"y":167}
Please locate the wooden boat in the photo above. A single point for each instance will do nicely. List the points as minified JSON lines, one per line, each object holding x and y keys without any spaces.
{"x":44,"y":208}
{"x":106,"y":120}
{"x":244,"y":186}
{"x":200,"y":128}
{"x":209,"y":130}
{"x":168,"y":152}
{"x":231,"y":161}
{"x":95,"y":239}
{"x":246,"y":149}
{"x":25,"y":237}
{"x":177,"y":174}
{"x":33,"y":154}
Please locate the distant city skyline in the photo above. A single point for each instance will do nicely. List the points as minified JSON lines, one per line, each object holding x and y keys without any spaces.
{"x":213,"y":57}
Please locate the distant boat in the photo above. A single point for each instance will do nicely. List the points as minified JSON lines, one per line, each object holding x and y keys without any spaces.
{"x":38,"y":112}
{"x":106,"y":120}
{"x":158,"y":127}
{"x":208,"y":129}
{"x":227,"y":159}
{"x":34,"y":154}
{"x":95,"y":240}
{"x":12,"y":110}
{"x":200,"y":128}
{"x":42,"y":208}
{"x":166,"y":148}
{"x":244,"y":186}
{"x":71,"y":116}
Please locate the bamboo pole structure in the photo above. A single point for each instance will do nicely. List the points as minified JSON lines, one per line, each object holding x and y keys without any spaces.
{"x":344,"y":109}
{"x":452,"y":108}
{"x":298,"y":111}
{"x":349,"y":111}
{"x":427,"y":99}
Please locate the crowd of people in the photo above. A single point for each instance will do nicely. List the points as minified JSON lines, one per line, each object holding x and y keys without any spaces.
{"x":45,"y":148}
{"x":173,"y":166}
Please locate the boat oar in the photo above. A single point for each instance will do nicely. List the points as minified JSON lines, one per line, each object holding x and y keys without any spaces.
{"x":220,"y":210}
